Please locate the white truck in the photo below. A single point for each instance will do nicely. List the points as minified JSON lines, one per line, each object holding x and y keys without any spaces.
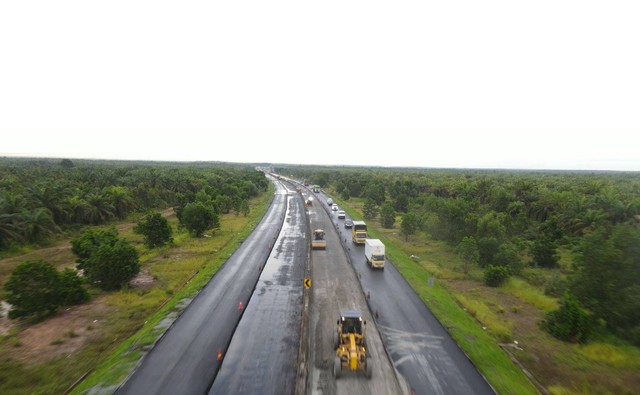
{"x":374,"y":253}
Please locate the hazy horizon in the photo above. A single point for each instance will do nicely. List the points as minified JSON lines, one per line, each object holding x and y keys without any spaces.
{"x":492,"y":85}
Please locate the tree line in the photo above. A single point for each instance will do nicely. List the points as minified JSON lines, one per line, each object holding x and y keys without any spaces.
{"x":505,"y":221}
{"x":41,"y":198}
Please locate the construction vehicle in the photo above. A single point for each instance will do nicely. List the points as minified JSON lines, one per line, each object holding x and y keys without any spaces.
{"x":350,"y":344}
{"x":359,"y":232}
{"x":318,"y":242}
{"x":308,"y":202}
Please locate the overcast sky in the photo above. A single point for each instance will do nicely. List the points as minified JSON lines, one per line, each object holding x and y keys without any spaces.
{"x":475,"y":84}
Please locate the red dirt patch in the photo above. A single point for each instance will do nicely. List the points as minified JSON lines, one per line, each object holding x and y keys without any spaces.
{"x":61,"y":334}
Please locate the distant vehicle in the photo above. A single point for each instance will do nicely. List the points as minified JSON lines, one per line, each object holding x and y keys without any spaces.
{"x":341,"y":214}
{"x":374,"y":253}
{"x":315,"y":188}
{"x":348,"y":223}
{"x":329,"y":202}
{"x":359,"y":232}
{"x":335,"y":207}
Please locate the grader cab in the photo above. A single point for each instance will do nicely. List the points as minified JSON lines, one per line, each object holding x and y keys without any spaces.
{"x":350,"y":344}
{"x":318,"y":242}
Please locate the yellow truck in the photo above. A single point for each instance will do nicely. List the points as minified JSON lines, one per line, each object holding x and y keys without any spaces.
{"x":359,"y":232}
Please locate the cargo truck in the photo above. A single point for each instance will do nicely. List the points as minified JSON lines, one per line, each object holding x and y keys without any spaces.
{"x":374,"y":253}
{"x":359,"y":232}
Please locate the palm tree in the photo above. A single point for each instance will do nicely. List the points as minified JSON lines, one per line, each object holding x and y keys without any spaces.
{"x":79,"y":209}
{"x":38,"y":224}
{"x":121,"y":199}
{"x":8,"y":229}
{"x":52,"y":198}
{"x":99,"y":208}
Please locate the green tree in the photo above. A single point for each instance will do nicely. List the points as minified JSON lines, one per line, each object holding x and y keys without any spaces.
{"x":111,"y":266}
{"x":198,"y":218}
{"x":369,"y":210}
{"x":244,"y":208}
{"x":468,"y":251}
{"x":570,"y":322}
{"x":71,"y":290}
{"x":155,"y":229}
{"x":607,"y":281}
{"x":409,"y":225}
{"x":387,"y":215}
{"x":401,"y":203}
{"x":488,"y":247}
{"x":37,"y":224}
{"x":494,"y":276}
{"x":86,"y":245}
{"x":375,"y":191}
{"x":33,"y":290}
{"x":544,"y":252}
{"x":67,"y":163}
{"x":121,"y":199}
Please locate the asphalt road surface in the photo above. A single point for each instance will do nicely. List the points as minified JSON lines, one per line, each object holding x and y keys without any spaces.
{"x":421,"y":349}
{"x":335,"y":286}
{"x":184,"y":360}
{"x":263,"y":355}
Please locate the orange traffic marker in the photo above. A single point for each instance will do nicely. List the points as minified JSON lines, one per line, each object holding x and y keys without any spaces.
{"x":240,"y":306}
{"x":219,"y":355}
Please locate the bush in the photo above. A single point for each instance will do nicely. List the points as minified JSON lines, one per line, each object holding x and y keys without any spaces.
{"x":570,"y":322}
{"x":494,"y":276}
{"x":87,"y":244}
{"x":155,"y":229}
{"x":113,"y":266}
{"x":556,"y":286}
{"x":32,"y":290}
{"x":71,"y":290}
{"x":105,"y":259}
{"x":198,"y":217}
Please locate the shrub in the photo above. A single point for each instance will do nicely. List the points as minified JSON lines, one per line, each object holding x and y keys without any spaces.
{"x":155,"y":229}
{"x":33,"y":290}
{"x":105,"y":259}
{"x":198,"y":217}
{"x":570,"y":322}
{"x":71,"y":290}
{"x":494,"y":276}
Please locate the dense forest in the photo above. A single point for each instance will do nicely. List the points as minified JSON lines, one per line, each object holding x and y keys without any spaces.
{"x":506,"y":221}
{"x":42,"y":198}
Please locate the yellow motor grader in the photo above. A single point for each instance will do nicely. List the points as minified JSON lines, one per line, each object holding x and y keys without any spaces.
{"x":350,"y":344}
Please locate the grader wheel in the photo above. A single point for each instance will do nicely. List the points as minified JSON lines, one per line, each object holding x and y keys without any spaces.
{"x":337,"y":367}
{"x":369,"y":372}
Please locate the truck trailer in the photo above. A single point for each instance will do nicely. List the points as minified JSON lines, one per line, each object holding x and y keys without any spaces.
{"x":374,"y":253}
